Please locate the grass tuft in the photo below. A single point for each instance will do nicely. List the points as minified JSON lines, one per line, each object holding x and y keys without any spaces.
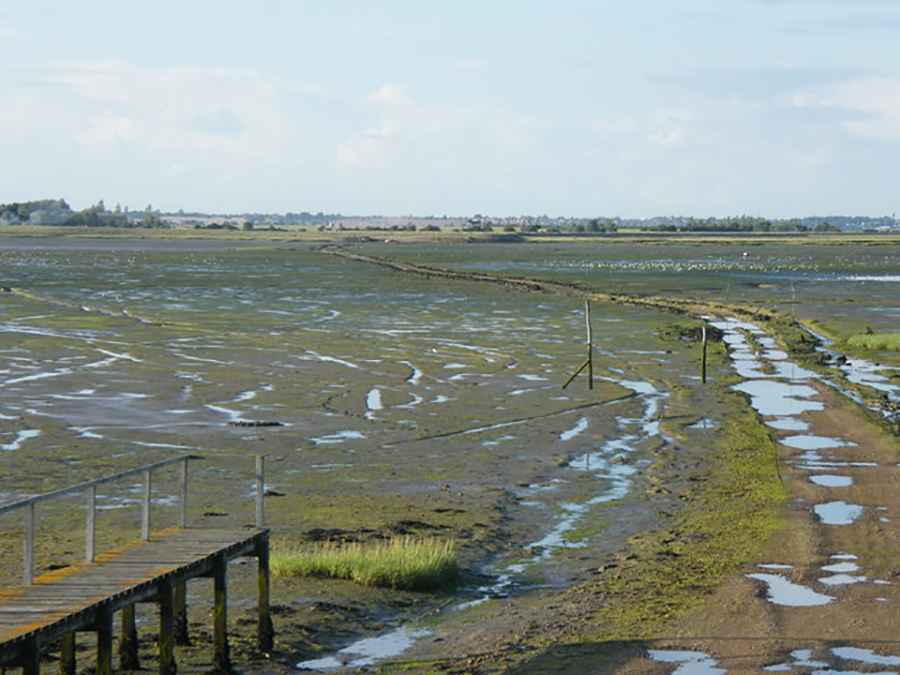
{"x":404,"y":563}
{"x":876,"y":342}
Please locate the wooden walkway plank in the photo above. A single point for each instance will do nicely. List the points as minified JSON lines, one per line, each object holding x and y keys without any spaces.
{"x":85,"y":595}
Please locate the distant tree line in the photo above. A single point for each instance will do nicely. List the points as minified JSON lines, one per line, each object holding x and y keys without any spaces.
{"x":58,"y":212}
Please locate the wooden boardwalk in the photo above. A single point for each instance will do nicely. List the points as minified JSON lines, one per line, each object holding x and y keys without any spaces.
{"x":44,"y":613}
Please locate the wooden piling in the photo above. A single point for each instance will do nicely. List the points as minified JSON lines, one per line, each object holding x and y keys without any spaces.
{"x":128,"y":644}
{"x":166,"y":600}
{"x":264,"y":630}
{"x":182,"y":638}
{"x":31,"y":663}
{"x":104,"y":641}
{"x":67,"y":654}
{"x":703,"y":357}
{"x":222,"y":659}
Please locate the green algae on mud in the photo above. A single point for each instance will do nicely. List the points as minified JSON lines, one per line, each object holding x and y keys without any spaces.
{"x":727,"y":522}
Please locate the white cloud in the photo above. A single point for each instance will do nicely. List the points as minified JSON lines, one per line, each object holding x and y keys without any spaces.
{"x":389,"y":95}
{"x":872,"y":104}
{"x":175,"y":110}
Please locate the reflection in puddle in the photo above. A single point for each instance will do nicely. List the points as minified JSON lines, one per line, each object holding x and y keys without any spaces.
{"x":580,"y":426}
{"x":814,"y":442}
{"x":367,"y":652}
{"x":20,"y":438}
{"x":788,"y":424}
{"x":827,"y":480}
{"x":691,"y":663}
{"x":783,"y":592}
{"x":838,"y":513}
{"x":338,"y":437}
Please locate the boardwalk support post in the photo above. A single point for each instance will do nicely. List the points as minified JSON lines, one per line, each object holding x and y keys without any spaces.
{"x":31,"y":664}
{"x":167,"y":628}
{"x":67,"y":654}
{"x":182,"y":637}
{"x":264,"y":630}
{"x":128,"y":647}
{"x":104,"y":641}
{"x":220,"y":615}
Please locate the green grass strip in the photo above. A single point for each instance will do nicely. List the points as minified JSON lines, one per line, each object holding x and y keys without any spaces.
{"x":405,"y":563}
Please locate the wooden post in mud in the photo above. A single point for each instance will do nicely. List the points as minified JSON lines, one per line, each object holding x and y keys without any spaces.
{"x":590,"y":346}
{"x":703,"y":357}
{"x":589,"y":364}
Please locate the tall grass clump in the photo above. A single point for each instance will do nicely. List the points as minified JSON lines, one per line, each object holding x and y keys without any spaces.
{"x":876,"y":342}
{"x":404,"y":563}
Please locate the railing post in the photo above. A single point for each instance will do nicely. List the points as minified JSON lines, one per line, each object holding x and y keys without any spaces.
{"x":145,"y":507}
{"x":260,"y":489}
{"x":28,"y":574}
{"x":182,"y":518}
{"x":90,"y":525}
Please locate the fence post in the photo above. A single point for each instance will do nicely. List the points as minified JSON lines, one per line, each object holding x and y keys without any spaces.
{"x":145,"y":507}
{"x":590,"y":345}
{"x":90,"y":525}
{"x":182,"y":518}
{"x":28,"y":575}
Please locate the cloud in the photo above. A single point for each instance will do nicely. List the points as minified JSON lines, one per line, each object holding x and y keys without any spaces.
{"x":403,"y":130}
{"x":390,"y":94}
{"x":872,"y":105}
{"x":174,"y":110}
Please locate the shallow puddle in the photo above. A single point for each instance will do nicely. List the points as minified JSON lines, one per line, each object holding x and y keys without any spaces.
{"x":368,"y":651}
{"x":690,"y":663}
{"x":832,"y":481}
{"x":782,"y":591}
{"x":809,"y":442}
{"x":838,"y":513}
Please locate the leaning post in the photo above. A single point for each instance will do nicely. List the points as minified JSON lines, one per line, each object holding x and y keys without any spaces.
{"x":590,"y":341}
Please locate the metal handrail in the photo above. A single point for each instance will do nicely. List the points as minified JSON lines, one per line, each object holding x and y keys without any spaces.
{"x":90,"y":490}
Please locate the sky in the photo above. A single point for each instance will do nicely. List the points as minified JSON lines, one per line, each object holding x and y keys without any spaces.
{"x":775,"y":108}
